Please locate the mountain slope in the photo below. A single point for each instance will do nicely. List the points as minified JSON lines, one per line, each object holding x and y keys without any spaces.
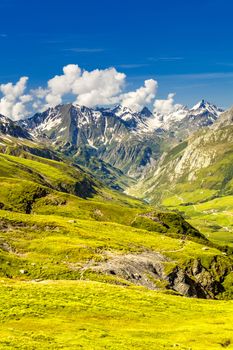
{"x":101,"y":234}
{"x":183,"y":122}
{"x":8,"y":127}
{"x":116,"y":142}
{"x":200,"y":166}
{"x":76,"y":255}
{"x":113,"y":136}
{"x":86,"y":313}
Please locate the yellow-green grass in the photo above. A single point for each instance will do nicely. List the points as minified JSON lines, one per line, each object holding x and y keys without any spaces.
{"x":92,"y":315}
{"x":64,"y":236}
{"x":214,"y":218}
{"x":52,"y":170}
{"x":21,"y":175}
{"x":56,"y":247}
{"x":64,"y":233}
{"x":107,"y":206}
{"x":189,"y":197}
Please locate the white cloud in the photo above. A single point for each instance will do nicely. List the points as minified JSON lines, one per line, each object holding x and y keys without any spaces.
{"x":61,"y":85}
{"x":38,"y":102}
{"x":136,"y":100}
{"x":166,"y":106}
{"x":12,"y":91}
{"x":89,"y":88}
{"x":26,"y":98}
{"x":39,"y":92}
{"x":98,"y":87}
{"x":14,"y":102}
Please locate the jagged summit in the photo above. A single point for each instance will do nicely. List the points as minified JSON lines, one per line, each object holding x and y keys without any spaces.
{"x":202,"y":164}
{"x":9,"y":127}
{"x":205,"y":105}
{"x":145,"y":112}
{"x":200,"y":115}
{"x":118,"y":135}
{"x":126,"y":140}
{"x":200,"y":104}
{"x":123,"y":112}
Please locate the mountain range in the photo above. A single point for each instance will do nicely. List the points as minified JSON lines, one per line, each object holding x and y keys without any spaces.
{"x":127,"y":150}
{"x":105,"y":196}
{"x":116,"y":144}
{"x":139,"y":152}
{"x":199,"y":168}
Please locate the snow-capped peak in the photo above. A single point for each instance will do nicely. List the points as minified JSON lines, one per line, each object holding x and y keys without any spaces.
{"x":125,"y":113}
{"x":203,"y":106}
{"x":200,"y":104}
{"x":164,"y":120}
{"x":145,"y":112}
{"x":203,"y":114}
{"x":120,"y":110}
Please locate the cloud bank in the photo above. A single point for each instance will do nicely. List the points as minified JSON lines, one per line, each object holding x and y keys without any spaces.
{"x":103,"y":87}
{"x":136,"y":100}
{"x":166,"y":106}
{"x":14,"y":102}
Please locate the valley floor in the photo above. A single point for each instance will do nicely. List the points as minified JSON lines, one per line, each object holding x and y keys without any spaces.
{"x":68,"y":277}
{"x":212,"y":217}
{"x":92,"y":315}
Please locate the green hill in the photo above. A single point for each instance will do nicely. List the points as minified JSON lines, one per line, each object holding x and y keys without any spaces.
{"x":78,"y":259}
{"x":196,"y":179}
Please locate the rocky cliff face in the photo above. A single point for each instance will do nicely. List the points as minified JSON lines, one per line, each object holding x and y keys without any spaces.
{"x":148,"y":270}
{"x":116,"y":136}
{"x":225,"y":120}
{"x":195,"y":280}
{"x":184,"y":121}
{"x":125,"y":140}
{"x":8,"y":127}
{"x":204,"y":161}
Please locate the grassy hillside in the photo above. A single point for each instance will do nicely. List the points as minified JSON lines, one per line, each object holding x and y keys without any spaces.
{"x":214,"y":218}
{"x":83,"y":266}
{"x":91,"y":315}
{"x":196,"y":170}
{"x":85,"y":160}
{"x":196,"y":179}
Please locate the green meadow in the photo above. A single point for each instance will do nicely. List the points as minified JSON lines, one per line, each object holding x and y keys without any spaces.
{"x":214,"y":217}
{"x":92,"y":315}
{"x":53,"y":239}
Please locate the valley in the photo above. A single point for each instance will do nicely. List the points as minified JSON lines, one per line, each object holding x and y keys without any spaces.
{"x":116,"y":175}
{"x":113,"y":221}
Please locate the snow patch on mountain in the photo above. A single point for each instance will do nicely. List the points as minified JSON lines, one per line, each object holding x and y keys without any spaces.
{"x":203,"y":113}
{"x":203,"y":106}
{"x":106,"y":125}
{"x":50,"y":124}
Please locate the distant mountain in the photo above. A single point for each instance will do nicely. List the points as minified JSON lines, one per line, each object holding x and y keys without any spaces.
{"x":79,"y":124}
{"x":197,"y":169}
{"x":116,"y":143}
{"x":73,"y":126}
{"x":225,"y":120}
{"x":183,"y":121}
{"x":8,"y":127}
{"x":201,"y":115}
{"x":117,"y":136}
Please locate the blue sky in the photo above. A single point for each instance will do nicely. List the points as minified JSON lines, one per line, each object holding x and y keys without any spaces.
{"x":185,"y":45}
